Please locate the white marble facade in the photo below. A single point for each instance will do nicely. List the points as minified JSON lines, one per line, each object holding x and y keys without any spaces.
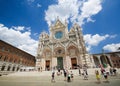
{"x":62,"y":48}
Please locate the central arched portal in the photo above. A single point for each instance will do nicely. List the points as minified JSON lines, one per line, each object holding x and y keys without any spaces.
{"x":60,"y":62}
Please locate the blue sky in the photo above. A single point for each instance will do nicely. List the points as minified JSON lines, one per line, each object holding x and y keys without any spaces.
{"x":21,"y":21}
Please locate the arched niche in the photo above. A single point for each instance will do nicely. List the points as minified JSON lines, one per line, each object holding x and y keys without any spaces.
{"x":96,"y":61}
{"x":105,"y":61}
{"x":72,"y":51}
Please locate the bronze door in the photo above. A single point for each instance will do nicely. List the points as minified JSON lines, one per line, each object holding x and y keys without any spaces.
{"x":60,"y":62}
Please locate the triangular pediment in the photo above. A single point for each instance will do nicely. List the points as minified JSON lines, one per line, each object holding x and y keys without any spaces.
{"x":59,"y":45}
{"x":47,"y":48}
{"x":71,"y":43}
{"x":58,"y":24}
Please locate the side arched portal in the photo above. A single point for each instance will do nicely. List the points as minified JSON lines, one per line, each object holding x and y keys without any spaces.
{"x":96,"y":61}
{"x":105,"y":61}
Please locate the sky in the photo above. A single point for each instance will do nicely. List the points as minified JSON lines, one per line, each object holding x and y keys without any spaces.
{"x":22,"y":21}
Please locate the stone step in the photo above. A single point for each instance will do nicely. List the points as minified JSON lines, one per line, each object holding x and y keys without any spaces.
{"x":48,"y":73}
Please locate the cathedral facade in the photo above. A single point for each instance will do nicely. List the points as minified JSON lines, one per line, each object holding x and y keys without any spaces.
{"x":62,"y":48}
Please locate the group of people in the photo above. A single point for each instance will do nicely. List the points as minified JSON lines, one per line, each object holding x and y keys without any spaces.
{"x":68,"y":75}
{"x":105,"y":73}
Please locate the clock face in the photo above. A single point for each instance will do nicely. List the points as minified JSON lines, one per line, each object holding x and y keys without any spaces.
{"x":58,"y":35}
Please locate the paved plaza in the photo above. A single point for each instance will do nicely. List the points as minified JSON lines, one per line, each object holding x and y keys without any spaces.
{"x":45,"y":80}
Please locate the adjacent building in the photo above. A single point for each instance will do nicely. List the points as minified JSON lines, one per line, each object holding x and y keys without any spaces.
{"x":107,"y":59}
{"x":13,"y":59}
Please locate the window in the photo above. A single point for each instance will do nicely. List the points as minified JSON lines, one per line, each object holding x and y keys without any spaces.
{"x":116,"y":61}
{"x":5,"y":58}
{"x":8,"y":69}
{"x":0,"y":56}
{"x":13,"y":69}
{"x":115,"y":65}
{"x":3,"y":67}
{"x":3,"y":48}
{"x":10,"y":60}
{"x":14,"y":60}
{"x":18,"y":68}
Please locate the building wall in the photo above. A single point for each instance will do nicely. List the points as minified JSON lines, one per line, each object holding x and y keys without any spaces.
{"x":115,"y":58}
{"x":12,"y":58}
{"x":110,"y":59}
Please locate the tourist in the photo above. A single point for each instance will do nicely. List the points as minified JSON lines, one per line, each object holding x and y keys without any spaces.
{"x":97,"y":75}
{"x":65,"y":74}
{"x":68,"y":77}
{"x":58,"y":73}
{"x":111,"y":71}
{"x":85,"y":75}
{"x":105,"y":75}
{"x":53,"y":77}
{"x":79,"y":72}
{"x":41,"y":69}
{"x":102,"y":70}
{"x":71,"y":76}
{"x":114,"y":71}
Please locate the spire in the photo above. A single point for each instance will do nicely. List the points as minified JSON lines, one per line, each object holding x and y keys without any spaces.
{"x":57,"y":17}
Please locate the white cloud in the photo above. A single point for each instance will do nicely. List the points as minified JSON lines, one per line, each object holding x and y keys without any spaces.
{"x":19,"y":39}
{"x":19,"y":28}
{"x":39,"y":5}
{"x":113,"y":36}
{"x":79,"y":11}
{"x":112,"y":47}
{"x":94,"y":40}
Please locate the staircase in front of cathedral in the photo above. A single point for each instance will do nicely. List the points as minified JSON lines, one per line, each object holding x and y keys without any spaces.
{"x":48,"y":73}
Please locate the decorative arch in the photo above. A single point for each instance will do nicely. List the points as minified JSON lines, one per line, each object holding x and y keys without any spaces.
{"x":59,"y":45}
{"x":47,"y":52}
{"x":59,"y":51}
{"x":9,"y":67}
{"x":105,"y":60}
{"x":96,"y":61}
{"x":71,"y":44}
{"x":72,"y":50}
{"x":13,"y":69}
{"x":3,"y":67}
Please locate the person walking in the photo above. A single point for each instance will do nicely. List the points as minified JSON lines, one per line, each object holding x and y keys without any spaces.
{"x":65,"y":74}
{"x":85,"y":75}
{"x":111,"y":71}
{"x":105,"y":75}
{"x":97,"y":76}
{"x":53,"y":77}
{"x":114,"y":71}
{"x":79,"y":72}
{"x":71,"y":76}
{"x":68,"y":77}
